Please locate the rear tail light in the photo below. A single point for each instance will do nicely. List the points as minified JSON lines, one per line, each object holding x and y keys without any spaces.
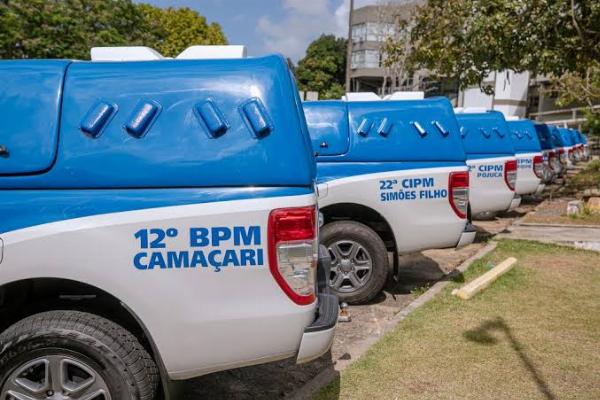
{"x":510,"y":174}
{"x":552,"y":161}
{"x":458,"y":186}
{"x":562,"y":157}
{"x":538,"y":166}
{"x":293,"y":251}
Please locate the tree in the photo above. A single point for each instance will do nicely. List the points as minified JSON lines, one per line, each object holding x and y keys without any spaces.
{"x":323,"y":69}
{"x":395,"y":22}
{"x":178,"y":28}
{"x":468,"y":39}
{"x":69,"y":28}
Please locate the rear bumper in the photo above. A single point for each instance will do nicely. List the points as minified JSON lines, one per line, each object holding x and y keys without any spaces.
{"x":540,"y":188}
{"x":516,"y":202}
{"x":318,"y":336}
{"x":468,"y":236}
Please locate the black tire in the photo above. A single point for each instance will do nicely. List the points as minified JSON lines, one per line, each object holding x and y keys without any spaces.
{"x":486,"y":216}
{"x":109,"y":350}
{"x":371,"y":242}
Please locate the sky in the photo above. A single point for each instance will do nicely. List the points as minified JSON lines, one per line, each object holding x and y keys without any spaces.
{"x":273,"y":26}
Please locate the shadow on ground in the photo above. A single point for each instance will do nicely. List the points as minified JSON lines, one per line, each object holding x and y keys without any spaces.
{"x":275,"y":380}
{"x":484,"y":335}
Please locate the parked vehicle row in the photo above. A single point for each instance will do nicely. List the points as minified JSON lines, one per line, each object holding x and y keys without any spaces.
{"x":162,"y":219}
{"x":561,"y":149}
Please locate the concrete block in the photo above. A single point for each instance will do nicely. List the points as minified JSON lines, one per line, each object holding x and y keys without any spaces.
{"x":575,"y":207}
{"x":477,"y":285}
{"x":593,"y":204}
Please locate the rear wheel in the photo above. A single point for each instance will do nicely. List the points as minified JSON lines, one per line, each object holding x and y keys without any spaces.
{"x":359,"y":262}
{"x":486,"y":216}
{"x":71,"y":355}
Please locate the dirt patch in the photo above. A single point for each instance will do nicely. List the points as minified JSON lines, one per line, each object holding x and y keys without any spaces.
{"x":554,"y":212}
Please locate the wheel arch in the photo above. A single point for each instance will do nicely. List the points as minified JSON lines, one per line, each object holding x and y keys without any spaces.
{"x":363,"y":214}
{"x":20,"y":299}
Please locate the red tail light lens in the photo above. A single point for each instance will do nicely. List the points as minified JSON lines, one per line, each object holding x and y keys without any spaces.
{"x":293,"y":251}
{"x":562,"y":157}
{"x":552,"y":161}
{"x":538,"y":166}
{"x":458,"y":187}
{"x":510,"y":174}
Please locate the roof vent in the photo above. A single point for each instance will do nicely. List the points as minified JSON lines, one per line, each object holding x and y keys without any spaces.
{"x":445,"y":132}
{"x":385,"y":127}
{"x":364,"y":127}
{"x":131,"y":53}
{"x":142,"y":118}
{"x":422,"y":132}
{"x":212,"y":52}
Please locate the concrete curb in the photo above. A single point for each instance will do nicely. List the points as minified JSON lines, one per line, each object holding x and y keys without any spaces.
{"x":537,"y":225}
{"x":327,"y":376}
{"x":574,"y":244}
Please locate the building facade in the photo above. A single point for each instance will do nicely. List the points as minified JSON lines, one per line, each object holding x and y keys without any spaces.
{"x":371,"y":26}
{"x":515,"y":94}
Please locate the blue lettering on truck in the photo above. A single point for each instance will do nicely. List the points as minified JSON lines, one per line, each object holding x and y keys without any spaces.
{"x":237,"y":251}
{"x":490,"y":171}
{"x":409,"y":189}
{"x":525,"y":163}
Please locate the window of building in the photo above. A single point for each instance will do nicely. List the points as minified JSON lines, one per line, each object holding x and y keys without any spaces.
{"x":371,"y":31}
{"x":365,"y":59}
{"x":359,"y":32}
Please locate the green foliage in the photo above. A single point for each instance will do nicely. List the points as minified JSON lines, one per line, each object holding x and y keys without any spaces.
{"x":592,"y":124}
{"x":323,"y":69}
{"x":178,"y":28}
{"x":69,"y":28}
{"x":467,"y":39}
{"x":593,"y":167}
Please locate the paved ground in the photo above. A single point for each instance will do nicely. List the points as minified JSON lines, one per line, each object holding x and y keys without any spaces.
{"x":582,"y":237}
{"x":417,"y":272}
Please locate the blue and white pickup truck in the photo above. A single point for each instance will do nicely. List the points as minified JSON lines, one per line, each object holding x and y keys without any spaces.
{"x":584,"y":144}
{"x":566,"y":145}
{"x":576,"y":143}
{"x":491,"y":160}
{"x":158,"y":221}
{"x":561,"y":145}
{"x":552,"y":162}
{"x":530,"y":160}
{"x":392,"y":179}
{"x":584,"y":141}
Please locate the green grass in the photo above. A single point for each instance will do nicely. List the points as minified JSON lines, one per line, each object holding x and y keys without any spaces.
{"x":420,"y":290}
{"x":534,"y":334}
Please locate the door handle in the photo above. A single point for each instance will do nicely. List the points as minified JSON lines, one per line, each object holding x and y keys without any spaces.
{"x":4,"y":151}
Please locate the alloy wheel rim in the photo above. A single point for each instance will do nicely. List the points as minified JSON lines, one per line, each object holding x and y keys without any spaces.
{"x":55,"y":377}
{"x":351,"y":266}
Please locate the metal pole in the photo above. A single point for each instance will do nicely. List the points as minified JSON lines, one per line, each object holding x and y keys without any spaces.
{"x":349,"y":48}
